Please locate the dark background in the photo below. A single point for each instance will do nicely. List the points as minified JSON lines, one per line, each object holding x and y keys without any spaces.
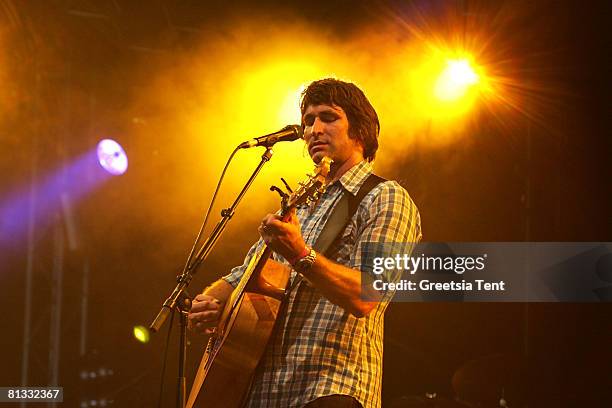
{"x":546,"y":180}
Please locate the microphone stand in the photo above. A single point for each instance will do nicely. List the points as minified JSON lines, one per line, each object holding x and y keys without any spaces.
{"x":179,"y":298}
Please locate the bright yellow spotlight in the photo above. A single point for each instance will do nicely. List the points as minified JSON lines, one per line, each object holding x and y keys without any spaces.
{"x":455,"y":80}
{"x":141,"y":334}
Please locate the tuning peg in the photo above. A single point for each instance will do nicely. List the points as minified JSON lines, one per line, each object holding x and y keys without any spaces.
{"x":286,"y":185}
{"x":279,"y":191}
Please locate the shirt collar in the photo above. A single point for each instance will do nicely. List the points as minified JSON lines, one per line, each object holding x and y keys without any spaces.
{"x":355,"y":176}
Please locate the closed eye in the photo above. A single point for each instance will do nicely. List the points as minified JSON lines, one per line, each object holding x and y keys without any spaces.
{"x":309,"y":119}
{"x":327,"y":117}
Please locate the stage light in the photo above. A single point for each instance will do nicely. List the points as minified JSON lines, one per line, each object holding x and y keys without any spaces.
{"x":141,"y":334}
{"x":59,"y":189}
{"x":455,"y":80}
{"x":447,"y":85}
{"x":112,"y":157}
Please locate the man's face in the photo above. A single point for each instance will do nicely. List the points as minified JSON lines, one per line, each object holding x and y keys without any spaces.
{"x":326,"y":134}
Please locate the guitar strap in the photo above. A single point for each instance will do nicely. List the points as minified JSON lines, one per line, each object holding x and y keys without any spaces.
{"x":342,"y":214}
{"x":339,"y":219}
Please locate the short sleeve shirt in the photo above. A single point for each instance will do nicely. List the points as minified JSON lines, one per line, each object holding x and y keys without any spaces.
{"x":317,"y":347}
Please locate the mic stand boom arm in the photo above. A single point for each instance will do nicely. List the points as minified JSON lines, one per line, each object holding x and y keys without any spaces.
{"x":179,"y":297}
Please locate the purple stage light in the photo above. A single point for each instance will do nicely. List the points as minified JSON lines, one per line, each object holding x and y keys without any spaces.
{"x":112,"y":157}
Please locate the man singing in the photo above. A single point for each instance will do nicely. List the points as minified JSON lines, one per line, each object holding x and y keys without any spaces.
{"x":326,"y":349}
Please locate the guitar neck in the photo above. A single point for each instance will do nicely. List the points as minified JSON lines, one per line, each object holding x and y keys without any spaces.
{"x":257,"y":262}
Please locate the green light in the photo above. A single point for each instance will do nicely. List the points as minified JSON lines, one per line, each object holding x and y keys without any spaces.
{"x":141,"y":334}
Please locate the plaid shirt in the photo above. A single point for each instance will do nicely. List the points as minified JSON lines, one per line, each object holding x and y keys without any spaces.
{"x":318,"y":348}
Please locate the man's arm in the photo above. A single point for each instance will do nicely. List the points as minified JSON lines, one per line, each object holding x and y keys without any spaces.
{"x":220,"y":290}
{"x":340,"y":285}
{"x":206,"y":308}
{"x":392,"y":217}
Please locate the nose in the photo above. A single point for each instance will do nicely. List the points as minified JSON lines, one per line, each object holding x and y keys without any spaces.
{"x":314,"y":130}
{"x":318,"y":125}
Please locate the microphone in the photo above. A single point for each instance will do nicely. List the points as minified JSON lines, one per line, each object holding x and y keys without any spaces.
{"x":286,"y":134}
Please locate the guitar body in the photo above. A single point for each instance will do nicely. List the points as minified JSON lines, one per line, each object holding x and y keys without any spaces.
{"x":226,"y":370}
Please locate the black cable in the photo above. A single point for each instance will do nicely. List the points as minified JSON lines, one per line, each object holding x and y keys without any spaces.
{"x":212,"y":202}
{"x":163,"y":371}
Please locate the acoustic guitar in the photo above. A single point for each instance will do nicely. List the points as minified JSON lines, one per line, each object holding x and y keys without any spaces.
{"x":246,"y":323}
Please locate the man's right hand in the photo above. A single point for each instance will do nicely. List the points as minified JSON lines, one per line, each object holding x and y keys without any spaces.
{"x":204,"y":314}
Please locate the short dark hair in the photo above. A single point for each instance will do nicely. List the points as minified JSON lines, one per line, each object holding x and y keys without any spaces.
{"x":362,"y":118}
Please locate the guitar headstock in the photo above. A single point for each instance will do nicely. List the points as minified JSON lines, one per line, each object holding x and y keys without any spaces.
{"x":310,"y":189}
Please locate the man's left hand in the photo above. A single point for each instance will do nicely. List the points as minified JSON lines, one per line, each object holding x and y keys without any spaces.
{"x":283,"y":237}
